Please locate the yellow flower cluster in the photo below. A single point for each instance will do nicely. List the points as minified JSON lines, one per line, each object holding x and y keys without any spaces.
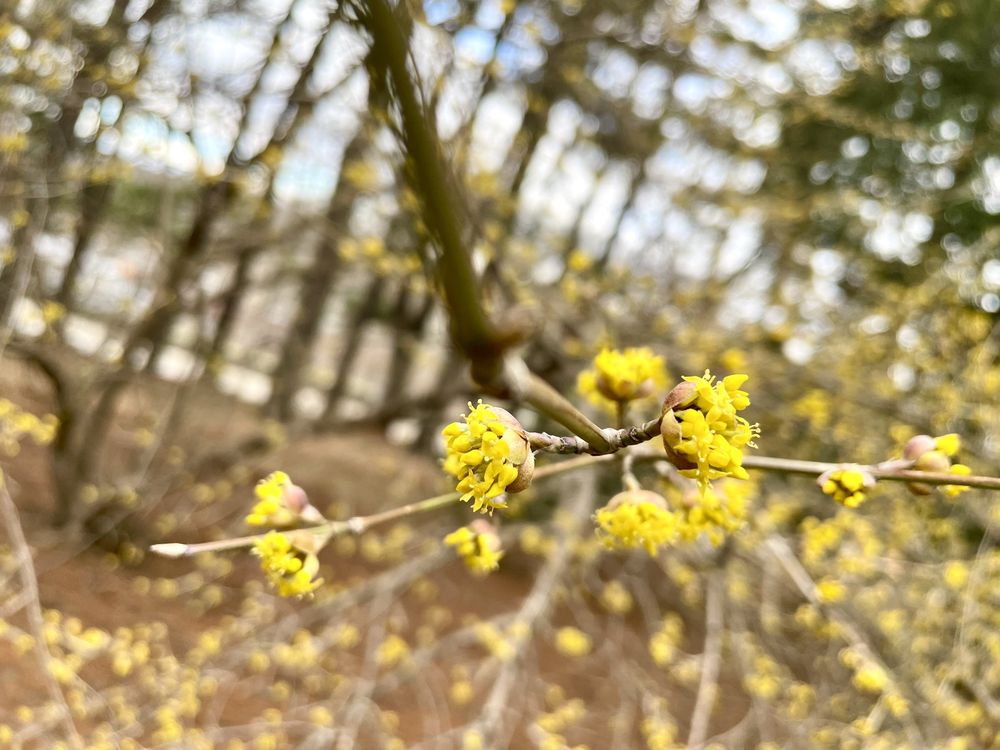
{"x":619,"y":376}
{"x":701,"y":427}
{"x":269,"y":492}
{"x":16,"y":424}
{"x":480,"y":552}
{"x":665,"y":642}
{"x":290,"y":569}
{"x":552,"y":726}
{"x":489,"y":454}
{"x":637,"y":518}
{"x":572,"y":641}
{"x":847,"y":486}
{"x":720,"y":509}
{"x":280,"y":503}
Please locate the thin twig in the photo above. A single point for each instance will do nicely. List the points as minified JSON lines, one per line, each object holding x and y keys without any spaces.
{"x":778,"y":547}
{"x":815,"y":468}
{"x":33,"y":610}
{"x":536,"y":606}
{"x":708,"y":685}
{"x":360,"y":524}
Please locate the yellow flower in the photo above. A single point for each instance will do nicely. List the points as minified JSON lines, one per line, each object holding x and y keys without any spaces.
{"x":871,"y":678}
{"x":956,"y":574}
{"x":720,"y":509}
{"x":391,"y":651}
{"x":846,"y":486}
{"x":280,"y":503}
{"x":702,"y":432}
{"x":616,"y":598}
{"x":52,"y":312}
{"x":573,"y":642}
{"x":622,"y":375}
{"x":490,"y":455}
{"x":949,"y":444}
{"x":637,"y":518}
{"x":479,"y":550}
{"x":830,"y":590}
{"x":290,"y":569}
{"x":952,"y":490}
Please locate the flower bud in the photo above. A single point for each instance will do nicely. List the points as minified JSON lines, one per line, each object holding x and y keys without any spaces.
{"x":521,"y":454}
{"x":490,"y":455}
{"x":281,"y":503}
{"x":681,"y":395}
{"x":917,"y":446}
{"x":624,"y":389}
{"x":637,"y":519}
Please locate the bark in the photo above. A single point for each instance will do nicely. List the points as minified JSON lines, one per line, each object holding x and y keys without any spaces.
{"x":367,"y":308}
{"x":298,"y":344}
{"x":297,"y":111}
{"x":93,"y":202}
{"x":405,"y":342}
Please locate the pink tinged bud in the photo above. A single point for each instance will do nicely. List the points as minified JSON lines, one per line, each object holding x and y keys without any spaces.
{"x":682,"y":395}
{"x":917,"y":446}
{"x":297,"y":501}
{"x":294,"y":498}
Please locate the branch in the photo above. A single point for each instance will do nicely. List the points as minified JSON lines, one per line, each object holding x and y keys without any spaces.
{"x":471,"y":329}
{"x":708,"y":686}
{"x":33,"y":610}
{"x":360,"y":524}
{"x":536,"y":606}
{"x":879,"y":471}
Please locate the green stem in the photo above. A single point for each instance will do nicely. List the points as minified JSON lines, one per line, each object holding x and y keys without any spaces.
{"x":553,"y":404}
{"x":471,"y":328}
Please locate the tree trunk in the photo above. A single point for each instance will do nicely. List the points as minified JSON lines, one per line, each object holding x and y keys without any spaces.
{"x":367,"y":307}
{"x":299,"y":341}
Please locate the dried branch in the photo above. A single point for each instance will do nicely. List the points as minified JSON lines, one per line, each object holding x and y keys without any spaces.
{"x":708,"y":685}
{"x":33,"y":610}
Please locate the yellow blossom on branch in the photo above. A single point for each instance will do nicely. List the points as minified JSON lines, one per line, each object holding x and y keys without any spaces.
{"x":702,"y":432}
{"x":490,"y":455}
{"x":618,"y":376}
{"x":637,"y":518}
{"x":572,"y":641}
{"x":479,"y":549}
{"x":846,"y":486}
{"x":281,"y":503}
{"x":289,"y":568}
{"x":718,"y":511}
{"x":936,"y":454}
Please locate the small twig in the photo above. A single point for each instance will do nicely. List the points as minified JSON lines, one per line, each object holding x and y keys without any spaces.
{"x":779,"y":548}
{"x":360,"y":524}
{"x":615,"y":439}
{"x":879,"y":471}
{"x":33,"y":610}
{"x":536,"y":606}
{"x":708,"y":685}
